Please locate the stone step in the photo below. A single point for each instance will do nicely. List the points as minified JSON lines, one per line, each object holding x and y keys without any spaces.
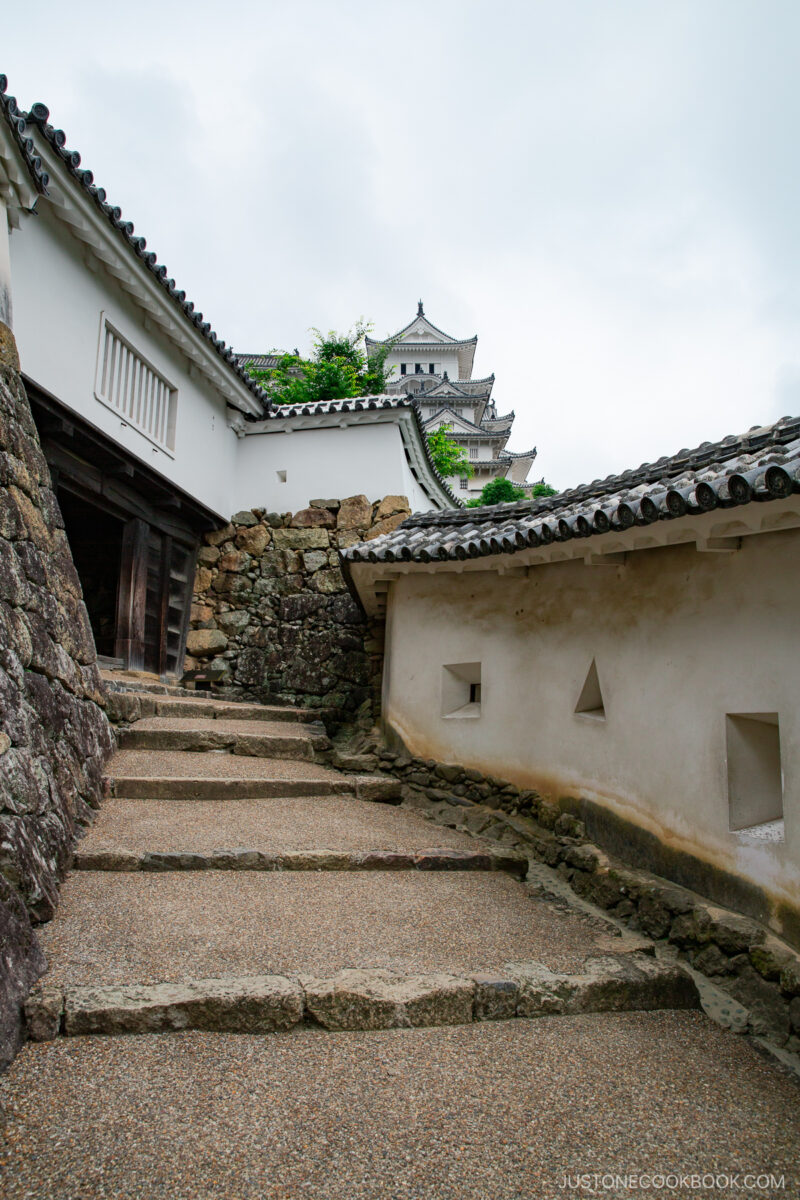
{"x":189,"y":775}
{"x":120,"y":928}
{"x":208,"y":708}
{"x":335,"y":823}
{"x":243,"y":859}
{"x":355,"y":999}
{"x":258,"y":739}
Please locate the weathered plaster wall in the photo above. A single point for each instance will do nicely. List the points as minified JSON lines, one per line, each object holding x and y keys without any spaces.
{"x":54,"y":736}
{"x":55,"y":289}
{"x":274,"y":469}
{"x":272,"y":609}
{"x":680,"y":639}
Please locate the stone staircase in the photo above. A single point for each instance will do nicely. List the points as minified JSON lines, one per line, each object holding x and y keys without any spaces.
{"x":235,"y":882}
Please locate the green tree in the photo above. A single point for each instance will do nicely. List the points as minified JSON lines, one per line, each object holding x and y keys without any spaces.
{"x":448,"y":457}
{"x":339,"y":368}
{"x":498,"y":491}
{"x":503,"y":491}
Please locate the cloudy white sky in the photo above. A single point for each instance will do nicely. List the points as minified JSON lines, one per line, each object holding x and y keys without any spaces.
{"x":605,"y":191}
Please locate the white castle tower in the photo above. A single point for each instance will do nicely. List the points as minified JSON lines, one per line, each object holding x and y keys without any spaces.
{"x":437,"y":369}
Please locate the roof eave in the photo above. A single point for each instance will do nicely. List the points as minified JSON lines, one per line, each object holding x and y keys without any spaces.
{"x":710,"y":532}
{"x":111,"y":242}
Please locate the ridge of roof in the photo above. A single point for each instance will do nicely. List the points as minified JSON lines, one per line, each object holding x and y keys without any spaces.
{"x":39,"y":116}
{"x":15,"y":119}
{"x":464,"y":421}
{"x":760,"y":465}
{"x":420,"y":314}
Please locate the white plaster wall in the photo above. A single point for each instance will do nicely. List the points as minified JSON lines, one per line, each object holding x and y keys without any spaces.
{"x":434,"y":354}
{"x":59,"y":293}
{"x":680,"y":639}
{"x":319,"y":463}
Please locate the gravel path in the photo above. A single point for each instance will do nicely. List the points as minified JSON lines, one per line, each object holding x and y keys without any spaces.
{"x":145,"y":928}
{"x":497,"y":1112}
{"x":316,"y":823}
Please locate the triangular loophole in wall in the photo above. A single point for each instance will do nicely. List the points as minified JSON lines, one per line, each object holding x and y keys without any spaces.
{"x":590,"y":702}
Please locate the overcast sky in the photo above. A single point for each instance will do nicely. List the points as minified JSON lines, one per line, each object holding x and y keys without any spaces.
{"x":605,"y":191}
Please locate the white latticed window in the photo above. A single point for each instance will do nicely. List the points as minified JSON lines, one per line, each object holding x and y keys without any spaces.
{"x":134,"y":389}
{"x":473,"y":451}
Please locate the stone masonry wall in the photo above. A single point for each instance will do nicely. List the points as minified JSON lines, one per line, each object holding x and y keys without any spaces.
{"x":272,"y":609}
{"x":54,"y":736}
{"x":740,"y":957}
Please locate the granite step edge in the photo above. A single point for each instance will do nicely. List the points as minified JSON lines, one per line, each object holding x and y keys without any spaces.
{"x":356,"y":999}
{"x":243,"y":859}
{"x":375,"y":789}
{"x":254,"y":745}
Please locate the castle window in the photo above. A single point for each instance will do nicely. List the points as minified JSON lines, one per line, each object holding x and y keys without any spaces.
{"x":418,"y":369}
{"x":403,"y":368}
{"x":461,"y":690}
{"x":755,"y":776}
{"x":463,"y":483}
{"x":473,"y":451}
{"x":430,"y":368}
{"x":134,"y":389}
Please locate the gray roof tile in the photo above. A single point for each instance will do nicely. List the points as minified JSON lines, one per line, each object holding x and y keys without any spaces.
{"x":762,"y":464}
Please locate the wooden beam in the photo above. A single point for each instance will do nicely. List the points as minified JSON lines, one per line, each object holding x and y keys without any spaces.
{"x":163,"y":616}
{"x":132,"y":595}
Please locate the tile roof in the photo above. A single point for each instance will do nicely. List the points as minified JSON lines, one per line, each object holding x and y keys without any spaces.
{"x":762,"y":464}
{"x":262,"y":361}
{"x":15,"y":120}
{"x":39,"y":116}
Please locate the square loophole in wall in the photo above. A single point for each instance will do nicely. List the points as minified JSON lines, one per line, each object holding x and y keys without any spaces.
{"x":461,"y":690}
{"x":755,"y":774}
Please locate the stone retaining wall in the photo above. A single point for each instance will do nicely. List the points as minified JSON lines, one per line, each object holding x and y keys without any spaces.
{"x":54,"y":736}
{"x":736,"y":953}
{"x":272,"y":609}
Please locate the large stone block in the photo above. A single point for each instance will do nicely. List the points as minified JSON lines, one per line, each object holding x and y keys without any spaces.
{"x":390,"y":505}
{"x":301,"y":539}
{"x":253,"y":540}
{"x":355,"y":513}
{"x":386,"y":526}
{"x":251,"y":1004}
{"x":21,"y":963}
{"x":313,"y":518}
{"x":376,"y":999}
{"x":329,"y":581}
{"x":204,"y":643}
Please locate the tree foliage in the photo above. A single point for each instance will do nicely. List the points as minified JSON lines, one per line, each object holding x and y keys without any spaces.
{"x":503,"y":491}
{"x":448,"y":457}
{"x":339,"y":368}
